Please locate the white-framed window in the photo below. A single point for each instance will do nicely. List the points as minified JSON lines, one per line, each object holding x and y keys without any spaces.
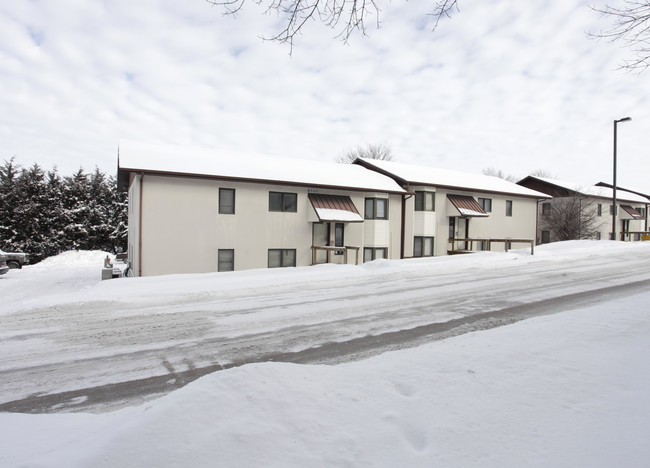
{"x":280,"y":258}
{"x":425,"y":201}
{"x":600,"y":209}
{"x":226,"y":201}
{"x":508,"y":207}
{"x":226,"y":260}
{"x":422,"y":246}
{"x":283,"y":202}
{"x":376,"y":208}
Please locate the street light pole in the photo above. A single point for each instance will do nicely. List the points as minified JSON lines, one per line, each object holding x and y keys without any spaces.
{"x":624,"y":119}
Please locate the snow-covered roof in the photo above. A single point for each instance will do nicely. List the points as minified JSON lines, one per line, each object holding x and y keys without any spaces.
{"x":169,"y":159}
{"x":594,"y":190}
{"x":425,"y":175}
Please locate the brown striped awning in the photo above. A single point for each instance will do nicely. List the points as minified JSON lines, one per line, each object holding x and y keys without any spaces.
{"x":466,"y":205}
{"x":630,"y":212}
{"x":334,"y":208}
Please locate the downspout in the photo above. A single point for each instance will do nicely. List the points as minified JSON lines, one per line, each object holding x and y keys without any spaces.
{"x":140,"y":225}
{"x":403,"y":226}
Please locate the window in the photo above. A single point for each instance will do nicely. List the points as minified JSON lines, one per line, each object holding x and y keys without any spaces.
{"x":376,"y":208}
{"x":285,"y":202}
{"x":282,"y":258}
{"x":373,"y":253}
{"x":486,"y":204}
{"x":226,"y":260}
{"x":641,"y":210}
{"x":546,"y":209}
{"x":339,"y":238}
{"x":422,"y":246}
{"x":425,"y":201}
{"x":598,"y":236}
{"x":546,"y":237}
{"x":611,"y":209}
{"x":226,"y":201}
{"x":600,"y":209}
{"x":508,"y":207}
{"x":338,"y":235}
{"x":452,"y":227}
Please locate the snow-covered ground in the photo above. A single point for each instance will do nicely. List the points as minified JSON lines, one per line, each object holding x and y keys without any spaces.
{"x":569,"y":389}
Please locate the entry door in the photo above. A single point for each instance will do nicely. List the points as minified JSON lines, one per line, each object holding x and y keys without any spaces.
{"x":452,"y":227}
{"x":320,"y":236}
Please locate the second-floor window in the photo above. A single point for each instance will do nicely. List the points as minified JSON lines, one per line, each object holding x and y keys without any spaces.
{"x":226,"y":201}
{"x":284,"y":202}
{"x":486,"y":204}
{"x":600,"y":209}
{"x":376,"y":208}
{"x":546,"y":209}
{"x":425,"y":201}
{"x":508,"y":207}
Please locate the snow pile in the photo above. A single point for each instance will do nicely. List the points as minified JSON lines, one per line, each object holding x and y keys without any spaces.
{"x":55,"y":280}
{"x":564,"y":390}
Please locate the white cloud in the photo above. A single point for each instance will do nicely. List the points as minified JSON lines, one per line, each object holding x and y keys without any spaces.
{"x":502,"y":84}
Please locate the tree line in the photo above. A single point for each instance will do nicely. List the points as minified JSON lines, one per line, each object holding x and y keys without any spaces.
{"x":44,"y":214}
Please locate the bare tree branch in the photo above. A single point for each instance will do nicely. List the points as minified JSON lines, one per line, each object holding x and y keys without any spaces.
{"x":346,"y":16}
{"x":493,"y":172}
{"x":571,"y":218}
{"x":382,"y":152}
{"x":443,"y":9}
{"x":631,"y":26}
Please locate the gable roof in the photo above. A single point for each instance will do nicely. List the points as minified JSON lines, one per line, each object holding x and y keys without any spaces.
{"x":424,"y":175}
{"x":551,"y":185}
{"x":618,"y":188}
{"x":139,"y":157}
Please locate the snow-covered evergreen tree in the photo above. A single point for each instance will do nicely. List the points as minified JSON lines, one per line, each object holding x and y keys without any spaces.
{"x":43,"y":214}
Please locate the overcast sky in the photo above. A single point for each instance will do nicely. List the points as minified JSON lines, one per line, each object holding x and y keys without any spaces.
{"x":513,"y":85}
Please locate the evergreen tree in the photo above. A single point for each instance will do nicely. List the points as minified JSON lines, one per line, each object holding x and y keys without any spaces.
{"x":44,"y":215}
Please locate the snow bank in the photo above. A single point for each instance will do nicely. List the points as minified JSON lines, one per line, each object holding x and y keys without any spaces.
{"x":564,"y":390}
{"x":75,"y":277}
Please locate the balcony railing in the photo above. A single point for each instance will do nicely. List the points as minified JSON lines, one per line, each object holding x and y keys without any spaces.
{"x":487,"y":244}
{"x":329,"y":249}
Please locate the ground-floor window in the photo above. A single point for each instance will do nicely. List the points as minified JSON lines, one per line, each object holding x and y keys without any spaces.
{"x":422,"y":246}
{"x":282,"y":258}
{"x":373,"y":253}
{"x":226,"y":260}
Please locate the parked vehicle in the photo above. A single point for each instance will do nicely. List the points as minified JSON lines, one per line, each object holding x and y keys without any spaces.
{"x":15,"y":259}
{"x":3,"y":264}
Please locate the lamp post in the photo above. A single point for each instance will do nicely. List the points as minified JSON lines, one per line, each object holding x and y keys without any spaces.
{"x":624,"y":119}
